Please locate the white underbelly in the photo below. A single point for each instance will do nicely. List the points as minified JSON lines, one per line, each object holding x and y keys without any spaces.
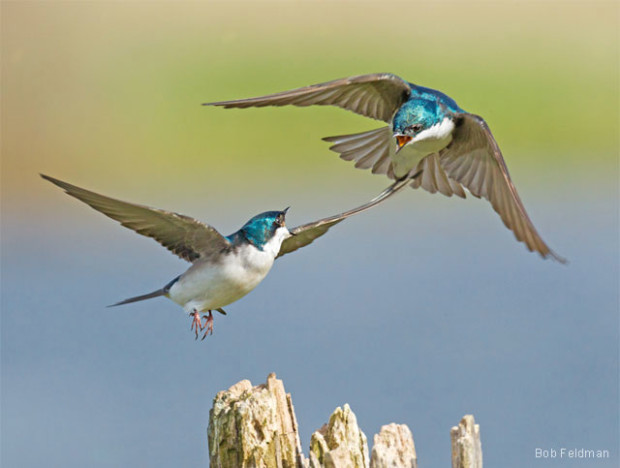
{"x":406,"y":160}
{"x":430,"y":141}
{"x":208,"y":287}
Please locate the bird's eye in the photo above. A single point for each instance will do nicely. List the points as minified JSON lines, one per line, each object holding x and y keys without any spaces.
{"x":414,"y":128}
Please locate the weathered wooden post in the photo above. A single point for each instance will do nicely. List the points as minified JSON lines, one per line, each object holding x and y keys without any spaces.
{"x":252,"y":427}
{"x":340,"y":442}
{"x":255,"y":427}
{"x":466,"y":445}
{"x":393,"y":447}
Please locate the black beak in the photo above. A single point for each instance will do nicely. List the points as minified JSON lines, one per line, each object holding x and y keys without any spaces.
{"x":284,"y":211}
{"x":281,"y":217}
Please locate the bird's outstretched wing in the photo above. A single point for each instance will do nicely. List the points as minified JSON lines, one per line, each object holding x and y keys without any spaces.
{"x":474,"y":160}
{"x":434,"y":179}
{"x":373,"y":149}
{"x":378,"y":96}
{"x":182,"y":235}
{"x":307,"y":233}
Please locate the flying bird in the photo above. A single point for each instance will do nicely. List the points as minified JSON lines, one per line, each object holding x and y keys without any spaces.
{"x":224,"y":268}
{"x":428,"y":132}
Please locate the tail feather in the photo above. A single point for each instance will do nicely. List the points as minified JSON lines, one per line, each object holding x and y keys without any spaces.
{"x":159,"y":292}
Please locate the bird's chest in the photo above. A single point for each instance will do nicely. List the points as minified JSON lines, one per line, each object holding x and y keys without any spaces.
{"x":241,"y":271}
{"x":219,"y":284}
{"x":251,"y":262}
{"x":429,"y":141}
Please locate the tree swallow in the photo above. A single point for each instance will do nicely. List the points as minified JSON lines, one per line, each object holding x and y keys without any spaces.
{"x":428,"y":132}
{"x":224,"y":268}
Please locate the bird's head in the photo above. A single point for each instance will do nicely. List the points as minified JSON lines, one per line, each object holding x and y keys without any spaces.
{"x":267,"y":229}
{"x":413,"y":118}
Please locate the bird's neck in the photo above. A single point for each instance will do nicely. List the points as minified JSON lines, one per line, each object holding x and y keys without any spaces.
{"x":242,"y":237}
{"x":258,"y":241}
{"x":274,"y":244}
{"x":439,"y":135}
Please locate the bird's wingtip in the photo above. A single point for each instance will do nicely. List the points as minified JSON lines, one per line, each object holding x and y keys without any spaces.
{"x":53,"y":180}
{"x":554,"y":256}
{"x":558,"y":258}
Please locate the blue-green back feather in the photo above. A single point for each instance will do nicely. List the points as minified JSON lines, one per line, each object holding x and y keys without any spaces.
{"x":420,"y":92}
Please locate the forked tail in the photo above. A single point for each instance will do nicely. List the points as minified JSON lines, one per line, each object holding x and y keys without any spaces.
{"x":159,"y":292}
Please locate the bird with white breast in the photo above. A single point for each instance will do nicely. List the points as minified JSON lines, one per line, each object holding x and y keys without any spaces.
{"x":224,"y":268}
{"x":428,"y":132}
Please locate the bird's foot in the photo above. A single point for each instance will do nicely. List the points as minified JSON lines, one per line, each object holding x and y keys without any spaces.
{"x":196,"y":322}
{"x":208,"y":325}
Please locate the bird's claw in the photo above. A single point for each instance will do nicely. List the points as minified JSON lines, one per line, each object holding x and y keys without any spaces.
{"x":198,"y":326}
{"x":208,"y":325}
{"x":196,"y":322}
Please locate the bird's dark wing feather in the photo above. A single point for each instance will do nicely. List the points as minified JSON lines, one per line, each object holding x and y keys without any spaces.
{"x":434,"y":179}
{"x":378,"y":96}
{"x":306,"y":233}
{"x":372,"y":149}
{"x":474,"y":160}
{"x":182,"y":235}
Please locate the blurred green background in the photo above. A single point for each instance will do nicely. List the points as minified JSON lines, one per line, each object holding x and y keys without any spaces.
{"x":418,"y":312}
{"x":111,"y":91}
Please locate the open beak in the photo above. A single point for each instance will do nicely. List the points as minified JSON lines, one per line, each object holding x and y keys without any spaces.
{"x":401,"y":141}
{"x":283,"y":220}
{"x":283,"y":224}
